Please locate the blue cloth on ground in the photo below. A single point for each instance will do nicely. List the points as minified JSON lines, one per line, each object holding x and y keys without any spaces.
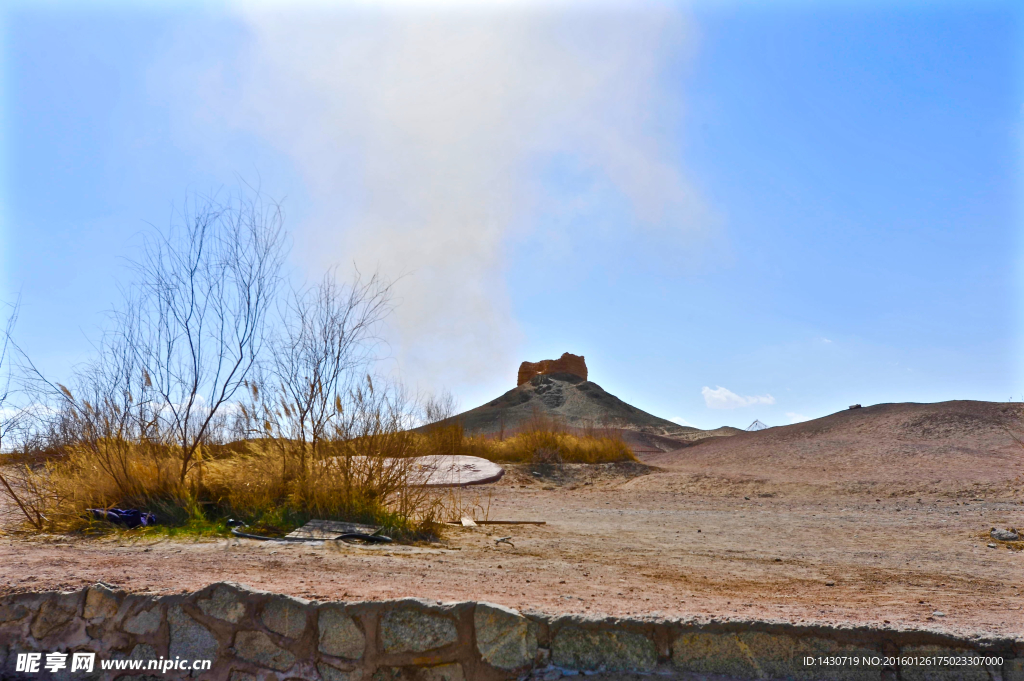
{"x":129,"y":518}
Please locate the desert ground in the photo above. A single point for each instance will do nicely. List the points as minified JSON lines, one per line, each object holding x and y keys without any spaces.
{"x":871,"y":516}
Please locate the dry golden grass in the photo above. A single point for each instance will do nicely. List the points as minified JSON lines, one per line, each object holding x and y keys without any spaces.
{"x":541,"y":439}
{"x":551,"y":445}
{"x":274,"y":483}
{"x":259,"y":482}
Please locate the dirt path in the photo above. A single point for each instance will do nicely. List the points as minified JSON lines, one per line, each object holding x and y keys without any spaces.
{"x":627,"y":541}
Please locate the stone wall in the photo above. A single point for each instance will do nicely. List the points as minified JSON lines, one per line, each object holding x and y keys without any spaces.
{"x":566,"y":364}
{"x":259,"y":636}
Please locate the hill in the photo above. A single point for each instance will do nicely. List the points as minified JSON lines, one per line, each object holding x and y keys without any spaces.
{"x":931,"y":446}
{"x":571,"y":400}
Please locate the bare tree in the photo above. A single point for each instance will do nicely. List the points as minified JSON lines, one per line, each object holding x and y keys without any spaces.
{"x":444,"y":431}
{"x":327,"y":338}
{"x":8,"y":416}
{"x":195,"y":321}
{"x":439,"y":407}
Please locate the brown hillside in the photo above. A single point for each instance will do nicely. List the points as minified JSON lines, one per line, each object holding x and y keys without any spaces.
{"x":933,"y":446}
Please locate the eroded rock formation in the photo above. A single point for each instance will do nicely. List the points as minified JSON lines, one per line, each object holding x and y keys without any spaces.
{"x":566,"y":364}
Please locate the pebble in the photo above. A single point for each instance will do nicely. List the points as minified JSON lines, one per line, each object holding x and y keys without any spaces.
{"x":938,"y":614}
{"x":1004,"y":535}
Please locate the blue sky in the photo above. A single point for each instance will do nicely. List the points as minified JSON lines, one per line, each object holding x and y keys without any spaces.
{"x":733,"y":212}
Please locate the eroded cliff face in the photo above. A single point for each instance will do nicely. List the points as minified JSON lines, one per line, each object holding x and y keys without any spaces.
{"x":566,"y":364}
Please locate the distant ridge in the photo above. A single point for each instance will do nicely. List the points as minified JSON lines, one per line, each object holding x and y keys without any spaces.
{"x":905,"y":448}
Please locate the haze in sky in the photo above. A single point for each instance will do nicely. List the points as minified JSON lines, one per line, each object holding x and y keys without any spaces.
{"x":733,"y":211}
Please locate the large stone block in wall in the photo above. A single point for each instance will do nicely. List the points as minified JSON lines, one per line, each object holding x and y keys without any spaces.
{"x":407,"y":630}
{"x":441,"y":672}
{"x":759,"y":655}
{"x":285,"y":615}
{"x":143,"y":622}
{"x":55,"y":615}
{"x":614,"y":650}
{"x":189,"y":639}
{"x":504,"y":638}
{"x":807,"y":646}
{"x":329,"y":673}
{"x":340,"y":636}
{"x":942,"y":673}
{"x":100,"y":602}
{"x":223,"y":603}
{"x":13,"y":612}
{"x":258,"y":648}
{"x":1013,"y":669}
{"x":566,"y":364}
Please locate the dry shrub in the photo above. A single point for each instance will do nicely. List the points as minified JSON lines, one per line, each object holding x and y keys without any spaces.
{"x":544,"y":440}
{"x":542,"y":437}
{"x":56,"y":495}
{"x":359,"y":474}
{"x":258,"y":483}
{"x":451,"y":504}
{"x":552,"y":446}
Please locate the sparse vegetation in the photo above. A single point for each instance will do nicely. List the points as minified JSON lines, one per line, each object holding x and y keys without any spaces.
{"x":213,"y":397}
{"x":202,"y":404}
{"x":541,"y":438}
{"x":550,"y":446}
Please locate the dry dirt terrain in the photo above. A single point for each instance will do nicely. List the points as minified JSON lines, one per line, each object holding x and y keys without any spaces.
{"x":877,"y":515}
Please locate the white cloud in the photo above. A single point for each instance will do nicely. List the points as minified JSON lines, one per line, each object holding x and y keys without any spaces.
{"x":421,"y":134}
{"x":723,"y":398}
{"x":681,"y":421}
{"x":796,"y":418}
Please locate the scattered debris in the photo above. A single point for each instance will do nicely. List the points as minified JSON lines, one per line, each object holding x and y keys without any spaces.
{"x":325,"y":529}
{"x":320,"y":530}
{"x":1005,"y":535}
{"x":504,"y":540}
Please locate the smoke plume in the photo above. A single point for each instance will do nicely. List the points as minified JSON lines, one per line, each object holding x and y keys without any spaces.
{"x":422,"y":135}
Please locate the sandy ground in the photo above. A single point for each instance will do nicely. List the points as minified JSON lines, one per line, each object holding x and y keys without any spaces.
{"x":812,"y":523}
